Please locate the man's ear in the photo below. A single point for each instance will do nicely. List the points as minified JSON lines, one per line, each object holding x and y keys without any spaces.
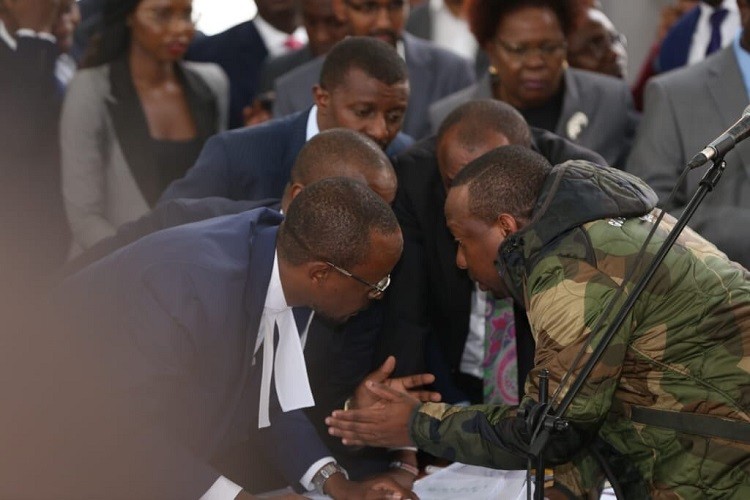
{"x":318,"y":272}
{"x":321,"y":97}
{"x":507,"y":223}
{"x":295,"y":189}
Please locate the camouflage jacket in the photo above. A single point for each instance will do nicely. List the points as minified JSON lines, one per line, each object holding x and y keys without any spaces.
{"x":683,"y":350}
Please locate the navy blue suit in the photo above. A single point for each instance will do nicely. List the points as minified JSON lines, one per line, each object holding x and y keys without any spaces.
{"x":675,"y":47}
{"x":251,"y":163}
{"x":240,"y":51}
{"x":172,"y":322}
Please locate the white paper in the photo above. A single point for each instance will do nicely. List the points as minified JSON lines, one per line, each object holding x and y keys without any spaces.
{"x":470,"y":482}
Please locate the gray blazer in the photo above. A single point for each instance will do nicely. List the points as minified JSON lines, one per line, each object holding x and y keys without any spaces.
{"x":597,"y":112}
{"x":280,"y":65}
{"x":105,"y":144}
{"x":684,"y":111}
{"x":433,"y":74}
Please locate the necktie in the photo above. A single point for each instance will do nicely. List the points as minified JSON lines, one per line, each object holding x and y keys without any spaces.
{"x":286,"y":365}
{"x":717,"y":17}
{"x":291,"y":43}
{"x":500,"y":365}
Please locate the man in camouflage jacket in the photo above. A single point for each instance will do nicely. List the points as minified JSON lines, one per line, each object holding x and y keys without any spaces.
{"x":667,"y":409}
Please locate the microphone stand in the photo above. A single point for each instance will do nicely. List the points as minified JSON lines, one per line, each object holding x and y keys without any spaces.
{"x":542,"y":418}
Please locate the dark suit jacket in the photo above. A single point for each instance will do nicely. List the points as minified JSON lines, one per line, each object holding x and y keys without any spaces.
{"x":240,"y":51}
{"x":173,"y":321}
{"x":338,"y":357}
{"x":252,"y":163}
{"x":433,"y":74}
{"x":33,"y":228}
{"x":675,"y":48}
{"x":429,"y":294}
{"x":597,"y":112}
{"x":281,"y":65}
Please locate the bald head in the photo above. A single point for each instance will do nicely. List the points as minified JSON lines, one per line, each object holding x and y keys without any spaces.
{"x":345,"y":153}
{"x":475,"y":128}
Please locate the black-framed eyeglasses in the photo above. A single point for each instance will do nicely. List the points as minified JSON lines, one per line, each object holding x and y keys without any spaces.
{"x":376,"y":289}
{"x":520,"y":52}
{"x":371,"y":7}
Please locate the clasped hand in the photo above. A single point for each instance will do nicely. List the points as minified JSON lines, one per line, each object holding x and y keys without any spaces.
{"x":382,"y":407}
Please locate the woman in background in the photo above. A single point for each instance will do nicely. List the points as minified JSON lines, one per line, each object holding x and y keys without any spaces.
{"x":136,"y":117}
{"x":525,"y":41}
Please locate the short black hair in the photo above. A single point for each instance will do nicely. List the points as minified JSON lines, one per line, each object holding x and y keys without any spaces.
{"x":112,"y":38}
{"x":484,"y":16}
{"x":475,"y":118}
{"x":374,"y":57}
{"x":332,"y":220}
{"x":507,"y":179}
{"x":337,"y":153}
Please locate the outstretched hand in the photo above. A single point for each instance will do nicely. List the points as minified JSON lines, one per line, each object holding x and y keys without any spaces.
{"x":384,"y":424}
{"x":412,"y":384}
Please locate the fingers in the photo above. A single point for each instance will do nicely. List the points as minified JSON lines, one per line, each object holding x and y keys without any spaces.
{"x":350,"y":437}
{"x":382,"y":391}
{"x":392,"y":490}
{"x":384,"y":371}
{"x":426,"y":396}
{"x":418,"y":380}
{"x":364,"y":416}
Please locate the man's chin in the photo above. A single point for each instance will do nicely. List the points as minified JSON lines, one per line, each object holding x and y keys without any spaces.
{"x":333,"y":320}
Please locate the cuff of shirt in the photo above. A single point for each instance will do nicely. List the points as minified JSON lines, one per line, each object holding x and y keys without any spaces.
{"x":222,"y":489}
{"x":404,"y":448}
{"x":306,"y":480}
{"x":36,"y":34}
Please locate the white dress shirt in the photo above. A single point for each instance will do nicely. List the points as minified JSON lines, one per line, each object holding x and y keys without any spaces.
{"x":702,"y":35}
{"x":473,"y":355}
{"x":275,"y":39}
{"x":451,"y":32}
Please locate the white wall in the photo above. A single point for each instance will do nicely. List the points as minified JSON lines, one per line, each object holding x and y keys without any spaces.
{"x":218,"y":15}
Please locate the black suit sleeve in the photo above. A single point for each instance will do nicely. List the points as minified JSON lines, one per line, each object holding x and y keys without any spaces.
{"x":406,"y":322}
{"x":171,"y":213}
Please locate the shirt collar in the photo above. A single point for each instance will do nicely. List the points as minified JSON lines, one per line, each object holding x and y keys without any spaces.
{"x":707,"y":10}
{"x":312,"y":123}
{"x":437,"y":5}
{"x":275,"y":299}
{"x":5,"y":37}
{"x":275,"y":39}
{"x":743,"y":61}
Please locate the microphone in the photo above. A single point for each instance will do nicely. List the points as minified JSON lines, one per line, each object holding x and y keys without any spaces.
{"x":725,"y":142}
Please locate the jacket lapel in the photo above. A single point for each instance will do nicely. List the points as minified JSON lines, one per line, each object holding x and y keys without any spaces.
{"x":201,"y":102}
{"x":262,"y":248}
{"x":571,"y":109}
{"x":131,"y":130}
{"x":726,"y":87}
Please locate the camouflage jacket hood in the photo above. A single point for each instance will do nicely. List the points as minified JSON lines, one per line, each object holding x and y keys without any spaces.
{"x":575,"y":192}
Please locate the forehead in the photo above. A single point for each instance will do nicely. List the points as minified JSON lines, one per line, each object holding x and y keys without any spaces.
{"x":358,"y":85}
{"x":529,"y":23}
{"x":383,"y":253}
{"x":451,"y":149}
{"x":317,"y":8}
{"x":457,"y":207}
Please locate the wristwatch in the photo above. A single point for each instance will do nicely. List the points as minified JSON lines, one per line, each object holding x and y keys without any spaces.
{"x":328,"y":470}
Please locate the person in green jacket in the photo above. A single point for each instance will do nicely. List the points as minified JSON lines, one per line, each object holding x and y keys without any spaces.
{"x":666,"y":411}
